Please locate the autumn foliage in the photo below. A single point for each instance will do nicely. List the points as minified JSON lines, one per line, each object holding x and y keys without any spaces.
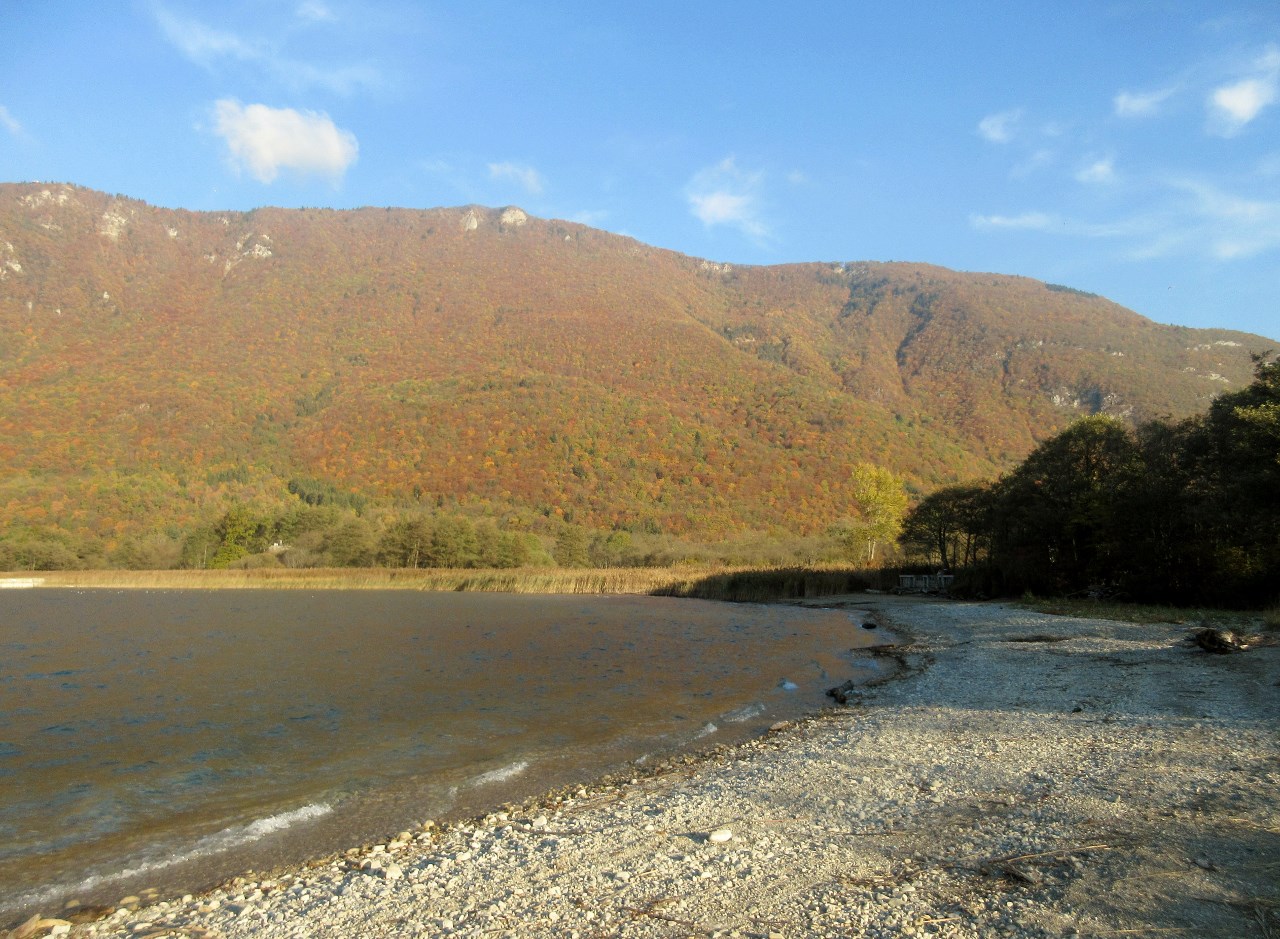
{"x":182,"y":388}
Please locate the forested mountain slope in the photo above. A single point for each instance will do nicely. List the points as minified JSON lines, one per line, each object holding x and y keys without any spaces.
{"x":159,"y":365}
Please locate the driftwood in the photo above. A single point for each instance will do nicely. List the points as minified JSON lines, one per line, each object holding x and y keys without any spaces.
{"x":1220,"y":641}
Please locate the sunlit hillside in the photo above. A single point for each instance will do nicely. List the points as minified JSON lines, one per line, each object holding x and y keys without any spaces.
{"x":158,"y":366}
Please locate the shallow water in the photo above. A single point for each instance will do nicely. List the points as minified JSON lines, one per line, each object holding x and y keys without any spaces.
{"x":174,"y":738}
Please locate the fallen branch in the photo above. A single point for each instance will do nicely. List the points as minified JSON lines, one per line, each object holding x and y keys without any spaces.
{"x":1013,"y":858}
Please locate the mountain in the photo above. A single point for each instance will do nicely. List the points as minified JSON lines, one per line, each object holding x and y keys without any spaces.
{"x":157,"y":365}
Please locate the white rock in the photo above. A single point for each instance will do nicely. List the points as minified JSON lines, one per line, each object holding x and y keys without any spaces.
{"x":720,"y":836}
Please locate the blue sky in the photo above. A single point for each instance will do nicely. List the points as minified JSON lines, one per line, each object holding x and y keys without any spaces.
{"x":1126,"y":148}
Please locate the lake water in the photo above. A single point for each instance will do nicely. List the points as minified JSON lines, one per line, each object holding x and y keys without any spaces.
{"x":173,"y":738}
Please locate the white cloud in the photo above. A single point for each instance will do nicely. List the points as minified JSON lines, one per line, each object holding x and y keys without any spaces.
{"x":1233,"y":106}
{"x":9,"y":122}
{"x":1141,"y":104}
{"x":1097,"y":171}
{"x":265,"y":140}
{"x":725,"y":195}
{"x":1238,"y":104}
{"x":528,"y":178}
{"x":999,"y":128}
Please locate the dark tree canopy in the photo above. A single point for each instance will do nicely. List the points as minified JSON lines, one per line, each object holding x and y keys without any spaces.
{"x":1169,"y":512}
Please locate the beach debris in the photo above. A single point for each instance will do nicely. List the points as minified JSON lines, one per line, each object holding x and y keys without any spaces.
{"x":39,"y":924}
{"x":779,"y":725}
{"x":844,"y":693}
{"x":720,"y":836}
{"x":1220,"y":641}
{"x":1022,"y":873}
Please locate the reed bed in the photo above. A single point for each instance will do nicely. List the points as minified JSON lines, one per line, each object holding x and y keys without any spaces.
{"x":708,"y":583}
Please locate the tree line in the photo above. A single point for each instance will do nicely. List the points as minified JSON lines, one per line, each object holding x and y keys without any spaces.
{"x":1172,"y":512}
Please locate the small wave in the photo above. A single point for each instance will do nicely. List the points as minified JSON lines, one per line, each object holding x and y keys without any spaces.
{"x":707,"y":730}
{"x":217,"y":843}
{"x":745,"y":713}
{"x":501,"y":774}
{"x":787,"y":685}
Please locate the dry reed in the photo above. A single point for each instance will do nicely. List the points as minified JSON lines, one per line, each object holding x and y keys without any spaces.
{"x":742,"y":584}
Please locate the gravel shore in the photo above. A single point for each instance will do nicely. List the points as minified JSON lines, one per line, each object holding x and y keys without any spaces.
{"x":1026,"y":775}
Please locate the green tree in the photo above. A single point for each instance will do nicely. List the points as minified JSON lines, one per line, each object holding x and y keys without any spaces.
{"x":881,"y":500}
{"x":1240,"y":484}
{"x":240,"y":532}
{"x":497,"y":548}
{"x":406,"y":543}
{"x":609,"y":550}
{"x":949,"y":527}
{"x":155,"y":551}
{"x":1057,"y":517}
{"x":351,"y":544}
{"x":571,"y":547}
{"x":453,"y":543}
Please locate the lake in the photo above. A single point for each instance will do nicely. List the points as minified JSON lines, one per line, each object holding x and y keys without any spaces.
{"x":173,"y":738}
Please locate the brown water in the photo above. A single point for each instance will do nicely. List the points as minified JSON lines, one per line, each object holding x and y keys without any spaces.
{"x":173,"y":738}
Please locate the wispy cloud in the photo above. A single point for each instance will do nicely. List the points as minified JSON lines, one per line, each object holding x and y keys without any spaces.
{"x":592,"y":217}
{"x":314,"y":11}
{"x":205,"y":45}
{"x":1188,"y":217}
{"x":999,"y":128}
{"x":1234,"y":105}
{"x":1141,"y":103}
{"x":1269,"y":165}
{"x":723,"y":194}
{"x":1028,"y":221}
{"x":10,"y":123}
{"x":527,"y":177}
{"x":210,"y":47}
{"x":1232,"y":226}
{"x":1097,"y":171}
{"x":264,"y":141}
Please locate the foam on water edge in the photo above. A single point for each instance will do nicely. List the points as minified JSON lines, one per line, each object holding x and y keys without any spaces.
{"x":232,"y":837}
{"x":501,"y":774}
{"x":745,"y":713}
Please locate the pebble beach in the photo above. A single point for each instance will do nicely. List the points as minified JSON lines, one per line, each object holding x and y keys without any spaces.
{"x":1022,"y":775}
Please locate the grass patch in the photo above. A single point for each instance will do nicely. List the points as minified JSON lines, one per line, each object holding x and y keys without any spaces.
{"x":744,"y":584}
{"x":1271,"y":618}
{"x":1150,"y":613}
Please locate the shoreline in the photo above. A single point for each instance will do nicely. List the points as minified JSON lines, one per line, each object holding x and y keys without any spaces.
{"x":1026,"y":774}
